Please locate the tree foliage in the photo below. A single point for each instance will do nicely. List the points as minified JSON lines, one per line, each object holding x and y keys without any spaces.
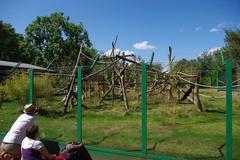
{"x":232,"y":40}
{"x":10,"y":43}
{"x":185,"y":65}
{"x":55,"y":38}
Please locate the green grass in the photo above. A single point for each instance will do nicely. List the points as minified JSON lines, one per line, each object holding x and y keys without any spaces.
{"x":173,"y":130}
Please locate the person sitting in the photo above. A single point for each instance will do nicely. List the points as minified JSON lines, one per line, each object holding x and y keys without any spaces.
{"x":33,"y":149}
{"x":75,"y":151}
{"x":12,"y":141}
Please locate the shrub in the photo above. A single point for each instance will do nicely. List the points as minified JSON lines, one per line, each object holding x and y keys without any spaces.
{"x":16,"y":88}
{"x":43,"y":87}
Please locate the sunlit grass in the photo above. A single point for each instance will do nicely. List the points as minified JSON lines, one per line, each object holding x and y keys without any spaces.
{"x":173,"y":129}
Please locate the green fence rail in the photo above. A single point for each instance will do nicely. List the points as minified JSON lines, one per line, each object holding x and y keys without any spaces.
{"x":31,"y":86}
{"x":143,"y":153}
{"x":79,"y":105}
{"x":144,"y":109}
{"x":229,"y":109}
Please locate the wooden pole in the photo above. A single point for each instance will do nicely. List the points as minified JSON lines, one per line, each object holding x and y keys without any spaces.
{"x":72,"y":81}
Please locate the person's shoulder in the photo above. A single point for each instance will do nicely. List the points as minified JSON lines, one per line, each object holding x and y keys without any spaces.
{"x":25,"y":140}
{"x":26,"y":143}
{"x":26,"y":116}
{"x":37,"y":144}
{"x":31,"y":143}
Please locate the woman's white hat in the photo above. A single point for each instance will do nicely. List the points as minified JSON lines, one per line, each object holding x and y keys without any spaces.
{"x":30,"y":109}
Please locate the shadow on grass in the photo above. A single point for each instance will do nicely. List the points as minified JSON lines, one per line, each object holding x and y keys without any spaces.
{"x":215,"y":111}
{"x":50,"y":113}
{"x":204,"y":158}
{"x":98,"y":107}
{"x":103,"y":139}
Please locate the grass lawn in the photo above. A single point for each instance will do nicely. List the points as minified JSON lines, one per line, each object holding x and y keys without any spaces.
{"x":173,"y":130}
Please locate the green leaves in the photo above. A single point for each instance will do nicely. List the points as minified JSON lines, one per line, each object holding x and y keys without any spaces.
{"x":9,"y":43}
{"x":56,"y":37}
{"x":232,"y":40}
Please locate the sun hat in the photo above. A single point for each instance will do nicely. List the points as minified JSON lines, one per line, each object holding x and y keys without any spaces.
{"x":30,"y":109}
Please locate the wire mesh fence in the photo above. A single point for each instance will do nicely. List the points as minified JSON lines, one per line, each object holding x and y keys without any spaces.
{"x":186,"y":111}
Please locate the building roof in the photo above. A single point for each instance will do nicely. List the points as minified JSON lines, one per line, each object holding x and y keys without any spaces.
{"x":21,"y":65}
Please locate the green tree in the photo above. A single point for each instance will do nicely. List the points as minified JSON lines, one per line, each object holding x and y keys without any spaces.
{"x":208,"y":66}
{"x":10,"y":43}
{"x":232,"y":40}
{"x":187,"y":66}
{"x":55,"y":37}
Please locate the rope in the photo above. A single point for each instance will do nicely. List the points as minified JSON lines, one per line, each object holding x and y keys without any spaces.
{"x":236,"y":81}
{"x":100,"y":70}
{"x":101,"y":62}
{"x":221,"y":81}
{"x":214,"y":97}
{"x":53,"y":74}
{"x":202,"y":85}
{"x":206,"y":86}
{"x":236,"y":86}
{"x":185,"y":74}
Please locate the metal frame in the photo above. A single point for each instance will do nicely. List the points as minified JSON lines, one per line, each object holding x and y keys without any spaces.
{"x":229,"y":110}
{"x":143,"y":153}
{"x":31,"y":86}
{"x":79,"y":105}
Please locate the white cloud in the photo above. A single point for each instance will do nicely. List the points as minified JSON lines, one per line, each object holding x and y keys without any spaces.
{"x":209,"y":52}
{"x":215,"y":30}
{"x":213,"y":50}
{"x":116,"y":52}
{"x":218,"y":28}
{"x":143,"y":45}
{"x":108,"y":52}
{"x":198,"y":28}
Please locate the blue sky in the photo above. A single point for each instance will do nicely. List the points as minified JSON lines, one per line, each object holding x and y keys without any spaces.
{"x":189,"y":26}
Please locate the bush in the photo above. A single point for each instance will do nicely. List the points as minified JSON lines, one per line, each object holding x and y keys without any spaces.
{"x":16,"y":88}
{"x":43,"y":87}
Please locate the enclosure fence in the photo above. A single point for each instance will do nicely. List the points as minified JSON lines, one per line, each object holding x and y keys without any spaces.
{"x":144,"y":153}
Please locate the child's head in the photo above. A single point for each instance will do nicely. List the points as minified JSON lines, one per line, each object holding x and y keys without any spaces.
{"x":32,"y":131}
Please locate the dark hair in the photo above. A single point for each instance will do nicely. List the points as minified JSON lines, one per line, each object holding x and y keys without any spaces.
{"x":32,"y":131}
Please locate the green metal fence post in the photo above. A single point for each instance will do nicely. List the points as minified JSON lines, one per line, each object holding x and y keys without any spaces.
{"x":79,"y":103}
{"x":144,"y":109}
{"x":31,"y":86}
{"x":229,"y":110}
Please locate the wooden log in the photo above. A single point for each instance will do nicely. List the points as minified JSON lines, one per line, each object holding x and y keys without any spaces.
{"x":107,"y":92}
{"x":113,"y":83}
{"x":197,"y":101}
{"x":124,"y":93}
{"x":132,"y":61}
{"x":99,"y":92}
{"x":89,"y":89}
{"x":72,"y":81}
{"x":122,"y":86}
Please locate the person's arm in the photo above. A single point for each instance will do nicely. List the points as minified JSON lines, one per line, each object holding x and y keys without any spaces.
{"x":44,"y":152}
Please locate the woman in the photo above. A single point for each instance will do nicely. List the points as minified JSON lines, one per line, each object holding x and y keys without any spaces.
{"x":12,"y":141}
{"x":33,"y":149}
